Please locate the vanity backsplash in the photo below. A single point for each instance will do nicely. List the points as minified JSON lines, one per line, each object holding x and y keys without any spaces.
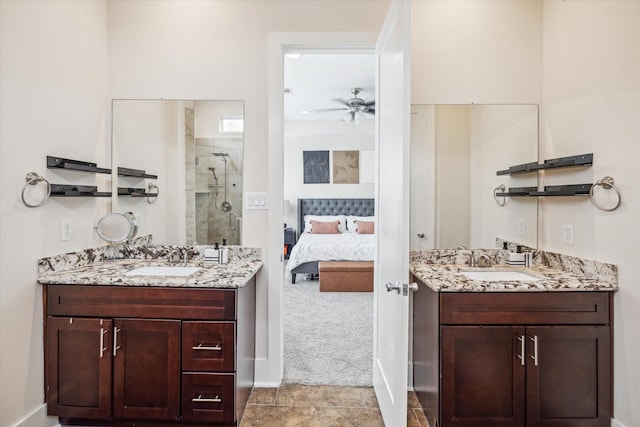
{"x":139,"y":248}
{"x":590,"y":269}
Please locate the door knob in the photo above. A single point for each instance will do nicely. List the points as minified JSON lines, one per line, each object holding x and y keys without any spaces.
{"x":420,"y":235}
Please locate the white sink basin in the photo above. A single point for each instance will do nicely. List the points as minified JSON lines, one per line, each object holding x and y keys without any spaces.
{"x":174,"y":270}
{"x":499,"y":276}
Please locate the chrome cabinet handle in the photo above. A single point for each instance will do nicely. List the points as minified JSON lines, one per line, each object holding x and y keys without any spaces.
{"x":102,"y":347}
{"x":115,"y":340}
{"x":522,"y":350}
{"x":216,"y":347}
{"x":535,"y":349}
{"x":203,"y":399}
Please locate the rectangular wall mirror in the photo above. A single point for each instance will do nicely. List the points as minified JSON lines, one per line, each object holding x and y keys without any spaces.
{"x":455,"y":153}
{"x":191,"y":154}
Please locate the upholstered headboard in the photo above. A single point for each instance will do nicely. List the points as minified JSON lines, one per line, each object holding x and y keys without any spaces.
{"x":357,"y":207}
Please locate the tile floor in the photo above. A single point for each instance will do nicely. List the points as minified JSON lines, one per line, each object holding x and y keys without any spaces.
{"x":321,"y":406}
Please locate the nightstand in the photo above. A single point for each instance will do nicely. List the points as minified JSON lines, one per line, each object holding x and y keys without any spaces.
{"x":289,"y":241}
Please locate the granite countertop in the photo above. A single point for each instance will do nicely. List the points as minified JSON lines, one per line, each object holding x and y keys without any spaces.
{"x":445,"y":278}
{"x":234,"y":274}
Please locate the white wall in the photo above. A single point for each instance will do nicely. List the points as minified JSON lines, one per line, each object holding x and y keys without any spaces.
{"x":53,"y":101}
{"x":592,"y":104}
{"x":310,"y":135}
{"x":219,"y":50}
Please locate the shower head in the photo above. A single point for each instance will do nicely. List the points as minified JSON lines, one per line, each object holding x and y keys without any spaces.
{"x":213,"y":171}
{"x":221,"y":154}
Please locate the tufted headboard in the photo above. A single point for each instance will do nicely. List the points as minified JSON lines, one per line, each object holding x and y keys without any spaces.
{"x":358,"y":207}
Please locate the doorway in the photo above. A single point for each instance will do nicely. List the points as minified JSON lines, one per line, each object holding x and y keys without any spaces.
{"x":329,"y":143}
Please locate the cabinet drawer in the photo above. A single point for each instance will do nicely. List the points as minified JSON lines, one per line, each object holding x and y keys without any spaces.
{"x":208,"y":397}
{"x":208,"y":346}
{"x":524,"y":308}
{"x":143,"y":302}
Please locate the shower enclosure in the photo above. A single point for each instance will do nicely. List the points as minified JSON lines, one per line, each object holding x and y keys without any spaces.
{"x":216,"y":203}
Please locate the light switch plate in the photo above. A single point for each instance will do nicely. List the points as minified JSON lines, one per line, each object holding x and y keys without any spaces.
{"x":567,"y":234}
{"x":522,"y":227}
{"x":65,"y":230}
{"x":256,"y":200}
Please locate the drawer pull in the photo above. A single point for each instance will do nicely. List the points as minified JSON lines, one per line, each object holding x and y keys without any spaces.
{"x":216,"y":347}
{"x":204,"y":399}
{"x":522,"y":350}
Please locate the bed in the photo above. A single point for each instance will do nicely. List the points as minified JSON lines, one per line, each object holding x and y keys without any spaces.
{"x":345,"y":246}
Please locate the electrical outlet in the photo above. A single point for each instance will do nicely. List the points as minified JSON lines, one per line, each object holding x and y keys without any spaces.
{"x":65,"y":230}
{"x":522,"y":227}
{"x":567,"y":234}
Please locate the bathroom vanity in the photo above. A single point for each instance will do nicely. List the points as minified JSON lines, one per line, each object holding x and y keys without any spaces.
{"x":154,"y":350}
{"x":514,"y":353}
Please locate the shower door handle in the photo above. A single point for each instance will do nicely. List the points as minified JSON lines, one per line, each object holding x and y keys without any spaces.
{"x":232,"y":221}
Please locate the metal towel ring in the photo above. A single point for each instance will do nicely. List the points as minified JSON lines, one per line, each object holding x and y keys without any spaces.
{"x":607,"y":183}
{"x":32,"y":179}
{"x":152,"y":197}
{"x":502,"y":188}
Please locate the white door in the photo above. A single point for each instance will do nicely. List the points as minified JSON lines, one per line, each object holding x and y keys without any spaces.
{"x":391,"y":308}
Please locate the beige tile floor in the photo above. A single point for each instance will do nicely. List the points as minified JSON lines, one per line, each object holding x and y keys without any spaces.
{"x":321,"y":406}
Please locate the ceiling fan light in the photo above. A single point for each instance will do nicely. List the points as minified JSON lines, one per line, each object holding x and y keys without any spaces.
{"x":347,"y":118}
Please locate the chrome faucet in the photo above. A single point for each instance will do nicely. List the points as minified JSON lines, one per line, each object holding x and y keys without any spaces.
{"x":483,"y":261}
{"x":174,"y":256}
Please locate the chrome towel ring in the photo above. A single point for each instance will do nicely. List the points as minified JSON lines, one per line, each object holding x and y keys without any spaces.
{"x":33,"y":179}
{"x":502,"y":189}
{"x":607,"y":183}
{"x":152,"y":197}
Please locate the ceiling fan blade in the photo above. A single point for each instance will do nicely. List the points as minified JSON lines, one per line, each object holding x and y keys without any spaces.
{"x":370,"y":103}
{"x":370,"y":110}
{"x":323,"y":110}
{"x":340,"y":100}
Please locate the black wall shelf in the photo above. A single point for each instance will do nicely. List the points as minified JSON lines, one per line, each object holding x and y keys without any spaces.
{"x":54,"y":162}
{"x":135,"y":192}
{"x":549,"y":190}
{"x":135,"y":173}
{"x":560,"y":162}
{"x":64,"y":190}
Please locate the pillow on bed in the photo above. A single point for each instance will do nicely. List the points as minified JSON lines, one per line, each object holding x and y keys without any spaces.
{"x":322,"y":227}
{"x":352,"y":226}
{"x":342,"y":226}
{"x":365,"y":227}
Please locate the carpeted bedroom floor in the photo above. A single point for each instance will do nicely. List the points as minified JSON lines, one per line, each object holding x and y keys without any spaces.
{"x":328,"y":336}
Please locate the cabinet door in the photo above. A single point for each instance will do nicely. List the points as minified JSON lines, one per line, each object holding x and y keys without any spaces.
{"x":78,"y":364}
{"x":146,"y":369}
{"x":482,"y":376}
{"x":568,"y":383}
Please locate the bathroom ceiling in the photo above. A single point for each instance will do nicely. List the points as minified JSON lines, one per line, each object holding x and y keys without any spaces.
{"x":315,"y":78}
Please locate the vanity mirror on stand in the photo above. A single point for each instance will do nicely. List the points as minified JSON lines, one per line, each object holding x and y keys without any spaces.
{"x":178,"y":165}
{"x":455,"y":153}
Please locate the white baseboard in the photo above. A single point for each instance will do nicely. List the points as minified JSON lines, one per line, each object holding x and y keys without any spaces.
{"x":265,"y":384}
{"x":615,"y":423}
{"x":38,"y":418}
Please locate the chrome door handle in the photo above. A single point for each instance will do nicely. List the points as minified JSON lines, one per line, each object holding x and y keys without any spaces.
{"x":115,"y":340}
{"x":102,"y":347}
{"x":522,"y":350}
{"x":404,"y":287}
{"x":535,"y":349}
{"x":394,"y":286}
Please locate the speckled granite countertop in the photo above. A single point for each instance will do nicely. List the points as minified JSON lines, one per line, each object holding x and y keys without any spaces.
{"x":91,"y":267}
{"x":235,"y":274}
{"x":440,"y":271}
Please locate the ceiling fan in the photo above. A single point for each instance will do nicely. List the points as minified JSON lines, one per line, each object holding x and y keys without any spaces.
{"x":355,"y":107}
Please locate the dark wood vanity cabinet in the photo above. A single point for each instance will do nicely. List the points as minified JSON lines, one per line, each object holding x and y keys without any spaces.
{"x":164,"y":356}
{"x":513,"y":359}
